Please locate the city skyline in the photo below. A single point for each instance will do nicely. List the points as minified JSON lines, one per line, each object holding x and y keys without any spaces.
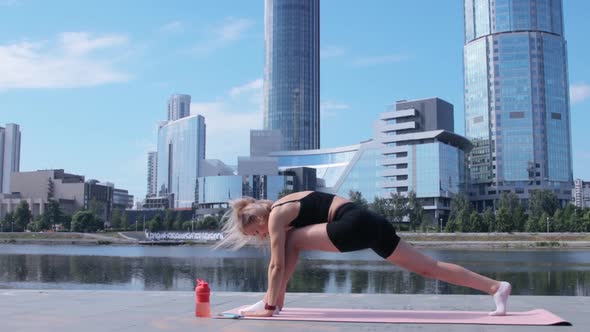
{"x":74,"y":83}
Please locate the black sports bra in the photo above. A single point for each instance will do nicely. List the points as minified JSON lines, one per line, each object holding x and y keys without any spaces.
{"x":313,"y":209}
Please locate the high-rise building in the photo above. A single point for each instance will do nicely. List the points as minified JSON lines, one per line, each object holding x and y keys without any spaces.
{"x":152,"y":174}
{"x":179,"y":106}
{"x":181,"y":152}
{"x":292,"y":71}
{"x":9,"y":154}
{"x":422,"y":154}
{"x":516,"y":99}
{"x":581,"y":194}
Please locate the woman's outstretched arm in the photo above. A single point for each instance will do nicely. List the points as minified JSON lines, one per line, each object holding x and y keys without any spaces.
{"x":276,"y":268}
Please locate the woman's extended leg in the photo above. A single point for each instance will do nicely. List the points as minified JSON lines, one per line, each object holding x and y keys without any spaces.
{"x":415,"y":261}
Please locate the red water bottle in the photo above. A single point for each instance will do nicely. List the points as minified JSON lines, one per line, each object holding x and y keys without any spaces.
{"x":202,"y":292}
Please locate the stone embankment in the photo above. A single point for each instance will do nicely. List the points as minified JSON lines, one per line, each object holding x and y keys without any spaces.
{"x":422,"y":240}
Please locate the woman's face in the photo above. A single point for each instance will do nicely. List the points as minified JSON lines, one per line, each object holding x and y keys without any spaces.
{"x":257,"y":227}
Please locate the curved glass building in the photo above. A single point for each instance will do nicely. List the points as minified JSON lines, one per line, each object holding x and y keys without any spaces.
{"x":181,"y":151}
{"x":218,"y":190}
{"x":340,"y":169}
{"x":516,"y":99}
{"x":292,"y":72}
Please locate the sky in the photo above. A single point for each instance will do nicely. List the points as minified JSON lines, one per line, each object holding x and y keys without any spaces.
{"x":88,"y":81}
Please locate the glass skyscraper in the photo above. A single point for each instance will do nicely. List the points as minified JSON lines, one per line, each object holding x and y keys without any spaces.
{"x":181,"y":151}
{"x":516,"y":99}
{"x":292,"y":71}
{"x":9,"y":154}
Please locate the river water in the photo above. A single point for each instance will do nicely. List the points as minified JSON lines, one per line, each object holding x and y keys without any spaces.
{"x":175,"y":268}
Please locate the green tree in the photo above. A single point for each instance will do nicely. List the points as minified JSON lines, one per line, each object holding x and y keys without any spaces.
{"x":460,"y":214}
{"x":124,"y":222}
{"x":381,"y":206}
{"x":169,"y":218}
{"x":155,"y":224}
{"x":41,"y":223}
{"x":8,"y":222}
{"x":53,"y":213}
{"x":585,"y":227}
{"x":504,"y":222}
{"x":542,"y":201}
{"x":399,"y":208}
{"x":207,"y":223}
{"x":116,"y":218}
{"x":22,"y":216}
{"x":415,"y":211}
{"x":451,"y":226}
{"x":98,"y":208}
{"x":66,"y":222}
{"x":537,"y":225}
{"x":187,"y":225}
{"x":532,"y":225}
{"x":86,"y":221}
{"x":556,"y":223}
{"x":476,"y":222}
{"x":178,"y":221}
{"x":571,"y":221}
{"x":488,"y":220}
{"x":511,"y":215}
{"x":357,"y":198}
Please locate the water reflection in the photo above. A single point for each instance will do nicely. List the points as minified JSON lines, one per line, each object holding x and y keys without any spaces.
{"x":175,"y":268}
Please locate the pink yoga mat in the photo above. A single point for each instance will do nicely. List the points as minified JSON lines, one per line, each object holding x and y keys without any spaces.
{"x":533,"y":317}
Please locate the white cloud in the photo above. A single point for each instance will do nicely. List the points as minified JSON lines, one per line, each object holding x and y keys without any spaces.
{"x":233,"y":29}
{"x":579,"y":92}
{"x":79,"y":43}
{"x":68,"y":62}
{"x":230,"y":31}
{"x":328,"y":108}
{"x":331,"y":51}
{"x":229,"y":120}
{"x":379,"y":60}
{"x":255,"y":85}
{"x":173,"y":27}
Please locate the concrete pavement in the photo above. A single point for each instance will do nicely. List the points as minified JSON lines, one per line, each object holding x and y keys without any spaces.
{"x":78,"y":310}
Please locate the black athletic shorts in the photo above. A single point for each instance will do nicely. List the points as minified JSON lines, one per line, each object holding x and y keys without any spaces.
{"x":355,"y":228}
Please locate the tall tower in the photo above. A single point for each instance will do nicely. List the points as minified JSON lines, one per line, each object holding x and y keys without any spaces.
{"x":9,"y":154}
{"x":152,"y":174}
{"x":179,"y":106}
{"x":292,"y":71}
{"x":516,"y":99}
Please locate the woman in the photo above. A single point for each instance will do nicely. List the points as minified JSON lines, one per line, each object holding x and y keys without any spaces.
{"x":313,"y":220}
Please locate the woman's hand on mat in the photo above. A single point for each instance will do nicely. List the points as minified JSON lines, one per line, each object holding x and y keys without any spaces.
{"x":263,"y":313}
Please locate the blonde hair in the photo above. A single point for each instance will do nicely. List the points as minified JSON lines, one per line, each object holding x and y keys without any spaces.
{"x":239,"y":215}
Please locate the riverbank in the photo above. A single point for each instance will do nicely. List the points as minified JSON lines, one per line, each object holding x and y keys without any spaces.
{"x":421,"y":240}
